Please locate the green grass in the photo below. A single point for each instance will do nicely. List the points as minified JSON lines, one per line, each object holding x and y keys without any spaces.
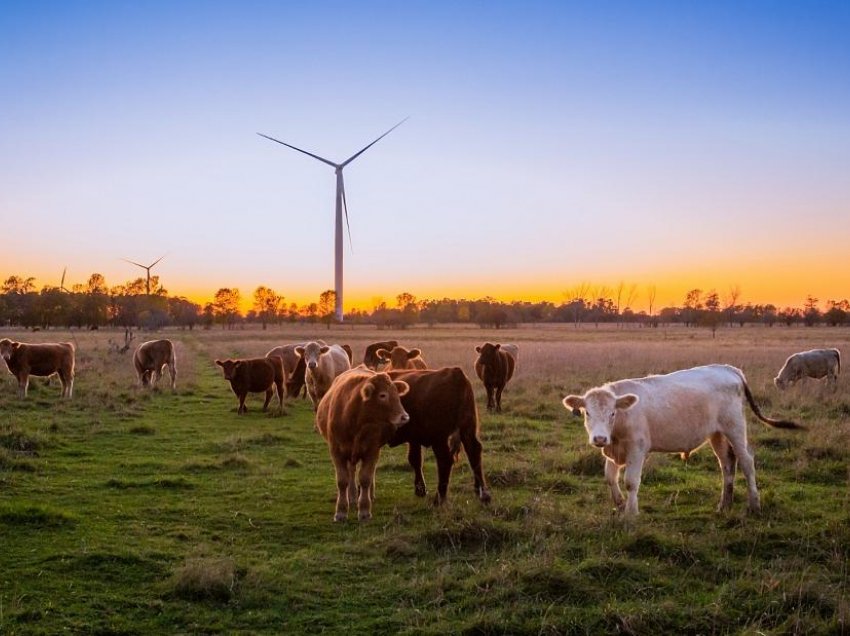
{"x":133,"y":512}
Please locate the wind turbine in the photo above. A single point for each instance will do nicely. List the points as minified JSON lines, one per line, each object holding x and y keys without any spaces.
{"x":62,"y":282}
{"x":340,"y":206}
{"x":147,"y":268}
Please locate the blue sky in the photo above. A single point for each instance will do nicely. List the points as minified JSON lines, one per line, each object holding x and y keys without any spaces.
{"x":550,"y":143}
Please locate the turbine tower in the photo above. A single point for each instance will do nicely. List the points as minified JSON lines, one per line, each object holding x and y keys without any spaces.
{"x":147,"y":268}
{"x":340,"y":206}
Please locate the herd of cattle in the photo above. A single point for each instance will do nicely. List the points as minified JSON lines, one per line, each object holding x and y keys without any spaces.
{"x":393,"y":398}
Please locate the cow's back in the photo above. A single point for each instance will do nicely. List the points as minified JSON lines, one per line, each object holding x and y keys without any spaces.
{"x":439,"y":402}
{"x":44,"y":359}
{"x":255,"y":375}
{"x":151,"y":355}
{"x":679,"y":409}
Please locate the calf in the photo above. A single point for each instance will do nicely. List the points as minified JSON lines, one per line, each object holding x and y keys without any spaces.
{"x":495,"y":367}
{"x":24,"y":360}
{"x":293,"y":367}
{"x":371,"y":359}
{"x":672,"y":413}
{"x":149,"y":359}
{"x":324,"y":363}
{"x":817,"y":363}
{"x":441,"y":404}
{"x":400,"y":359}
{"x":358,"y":414}
{"x":254,"y":375}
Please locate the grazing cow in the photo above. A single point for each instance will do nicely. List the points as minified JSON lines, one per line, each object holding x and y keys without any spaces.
{"x":324,"y":363}
{"x":358,"y":415}
{"x":494,"y":367}
{"x":149,"y":359}
{"x":293,"y":367}
{"x":672,"y":413}
{"x":25,"y":359}
{"x":371,"y":359}
{"x":400,"y":359}
{"x":817,"y":363}
{"x":441,"y":404}
{"x":254,"y":375}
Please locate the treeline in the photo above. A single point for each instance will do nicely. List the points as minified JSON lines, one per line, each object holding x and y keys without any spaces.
{"x":95,"y":304}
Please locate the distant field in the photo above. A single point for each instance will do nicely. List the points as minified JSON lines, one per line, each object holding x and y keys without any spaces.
{"x":123,"y":511}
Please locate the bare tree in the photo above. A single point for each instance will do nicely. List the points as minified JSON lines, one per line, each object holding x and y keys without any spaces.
{"x":577,"y":298}
{"x":730,"y":303}
{"x":651,"y":291}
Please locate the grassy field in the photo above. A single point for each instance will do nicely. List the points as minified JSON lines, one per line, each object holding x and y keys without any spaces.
{"x":123,"y":511}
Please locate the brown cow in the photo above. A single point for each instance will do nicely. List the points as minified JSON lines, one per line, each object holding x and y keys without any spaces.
{"x":358,"y":415}
{"x":440,"y":403}
{"x":495,"y":366}
{"x":254,"y":375}
{"x":400,"y":359}
{"x":45,"y":359}
{"x":149,"y":359}
{"x":371,"y":359}
{"x":294,"y":367}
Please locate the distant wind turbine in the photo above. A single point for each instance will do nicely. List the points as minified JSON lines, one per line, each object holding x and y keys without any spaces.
{"x":62,"y":282}
{"x":147,"y":268}
{"x":340,"y":206}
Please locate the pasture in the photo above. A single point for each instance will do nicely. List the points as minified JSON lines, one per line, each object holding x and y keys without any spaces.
{"x":127,"y":511}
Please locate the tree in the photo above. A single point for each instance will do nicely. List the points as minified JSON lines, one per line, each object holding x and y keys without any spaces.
{"x":811,"y":313}
{"x":837,"y":313}
{"x":96,"y":284}
{"x":711,"y":318}
{"x":267,"y":304}
{"x":650,"y":297}
{"x":226,"y":306}
{"x":327,"y":304}
{"x":18,"y":285}
{"x":692,"y":307}
{"x":730,"y":303}
{"x":576,"y":300}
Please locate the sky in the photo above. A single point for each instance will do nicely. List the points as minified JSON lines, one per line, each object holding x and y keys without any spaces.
{"x":550,"y":144}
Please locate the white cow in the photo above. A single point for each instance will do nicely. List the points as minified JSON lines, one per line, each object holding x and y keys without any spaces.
{"x":324,"y":363}
{"x":817,"y":363}
{"x":673,"y":413}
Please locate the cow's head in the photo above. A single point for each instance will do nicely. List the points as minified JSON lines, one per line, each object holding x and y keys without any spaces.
{"x":146,"y":377}
{"x":600,"y":408}
{"x":8,"y":348}
{"x":788,"y":375}
{"x":229,"y":367}
{"x":311,"y":352}
{"x":371,"y":358}
{"x":382,"y":399}
{"x":398,"y":358}
{"x":487,"y":353}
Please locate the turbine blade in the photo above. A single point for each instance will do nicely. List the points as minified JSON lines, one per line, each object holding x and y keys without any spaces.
{"x":134,"y":263}
{"x":157,"y":261}
{"x":310,"y":154}
{"x":357,"y":154}
{"x":345,"y":209}
{"x":62,"y":282}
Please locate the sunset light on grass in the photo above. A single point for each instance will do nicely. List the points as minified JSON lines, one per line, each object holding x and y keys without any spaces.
{"x":549,"y":144}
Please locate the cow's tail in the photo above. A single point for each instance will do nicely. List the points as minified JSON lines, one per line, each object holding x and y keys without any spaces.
{"x":768,"y":420}
{"x":838,"y":358}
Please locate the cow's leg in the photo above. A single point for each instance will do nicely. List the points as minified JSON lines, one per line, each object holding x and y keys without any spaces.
{"x":172,"y":372}
{"x":738,"y":440}
{"x":23,"y":385}
{"x":491,"y":402}
{"x":472,"y":447}
{"x":728,"y":464}
{"x":343,"y":479}
{"x":634,"y":468}
{"x":499,"y":390}
{"x":444,"y":470}
{"x":157,"y":375}
{"x":269,"y":392}
{"x":367,"y":480}
{"x":352,"y":483}
{"x":612,"y":478}
{"x":279,"y":386}
{"x":242,"y":408}
{"x":414,"y":458}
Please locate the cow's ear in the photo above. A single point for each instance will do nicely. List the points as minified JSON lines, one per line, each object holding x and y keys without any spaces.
{"x":367,"y":390}
{"x":413,"y":353}
{"x":16,"y":346}
{"x":299,"y":351}
{"x":219,"y":363}
{"x":627,"y":401}
{"x":477,"y":349}
{"x":324,"y":349}
{"x":403,"y":387}
{"x":383,"y":354}
{"x":497,"y":346}
{"x":573,"y":403}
